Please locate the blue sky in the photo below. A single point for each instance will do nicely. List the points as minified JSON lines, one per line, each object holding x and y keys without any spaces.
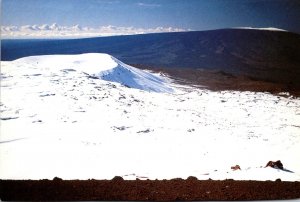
{"x":183,"y":14}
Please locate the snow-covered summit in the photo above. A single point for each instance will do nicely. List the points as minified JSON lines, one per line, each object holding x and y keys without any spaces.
{"x":102,"y":66}
{"x":262,"y":28}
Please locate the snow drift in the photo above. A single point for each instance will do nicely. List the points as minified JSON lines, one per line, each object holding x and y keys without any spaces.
{"x":102,"y":66}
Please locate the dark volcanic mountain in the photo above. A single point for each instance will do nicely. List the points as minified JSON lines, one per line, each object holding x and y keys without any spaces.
{"x":259,"y":54}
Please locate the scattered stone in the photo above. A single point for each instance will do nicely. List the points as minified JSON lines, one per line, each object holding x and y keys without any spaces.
{"x":122,"y":97}
{"x":46,"y":95}
{"x":98,"y":87}
{"x":191,"y":130}
{"x":8,"y":118}
{"x":192,"y":178}
{"x":275,"y":164}
{"x":57,"y":179}
{"x":68,"y":70}
{"x":117,"y":179}
{"x":92,"y":77}
{"x":144,"y":131}
{"x":80,"y":111}
{"x":236,"y":167}
{"x":120,"y":128}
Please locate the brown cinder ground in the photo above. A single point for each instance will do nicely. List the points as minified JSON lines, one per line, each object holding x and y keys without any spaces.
{"x":119,"y":189}
{"x":219,"y":80}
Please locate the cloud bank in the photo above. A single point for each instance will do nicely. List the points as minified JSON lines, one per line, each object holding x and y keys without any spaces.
{"x":76,"y":31}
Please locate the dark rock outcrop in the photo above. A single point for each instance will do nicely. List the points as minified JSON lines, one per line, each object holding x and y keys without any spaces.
{"x":275,"y":164}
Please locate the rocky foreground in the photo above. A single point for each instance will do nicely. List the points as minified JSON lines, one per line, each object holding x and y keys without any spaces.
{"x":162,"y":190}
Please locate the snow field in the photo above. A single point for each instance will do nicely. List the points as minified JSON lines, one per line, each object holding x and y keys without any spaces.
{"x":73,"y":116}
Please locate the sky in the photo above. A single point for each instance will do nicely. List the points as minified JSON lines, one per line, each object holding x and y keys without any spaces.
{"x":113,"y":17}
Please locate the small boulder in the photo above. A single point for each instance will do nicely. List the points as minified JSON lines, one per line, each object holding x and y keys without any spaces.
{"x":275,"y":164}
{"x":236,"y":167}
{"x":57,"y":179}
{"x":192,"y":178}
{"x":118,"y":179}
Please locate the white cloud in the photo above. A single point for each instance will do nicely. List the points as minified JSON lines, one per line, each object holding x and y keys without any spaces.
{"x":44,"y":27}
{"x":76,"y":28}
{"x":9,"y":28}
{"x":54,"y":26}
{"x":76,"y":31}
{"x":28,"y":28}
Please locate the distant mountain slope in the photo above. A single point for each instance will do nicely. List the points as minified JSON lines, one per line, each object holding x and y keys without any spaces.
{"x":260,"y":54}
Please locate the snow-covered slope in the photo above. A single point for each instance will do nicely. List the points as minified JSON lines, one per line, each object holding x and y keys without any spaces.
{"x":59,"y":119}
{"x":102,"y":66}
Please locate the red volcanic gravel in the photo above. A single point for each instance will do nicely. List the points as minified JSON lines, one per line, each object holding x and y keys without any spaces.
{"x":119,"y":189}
